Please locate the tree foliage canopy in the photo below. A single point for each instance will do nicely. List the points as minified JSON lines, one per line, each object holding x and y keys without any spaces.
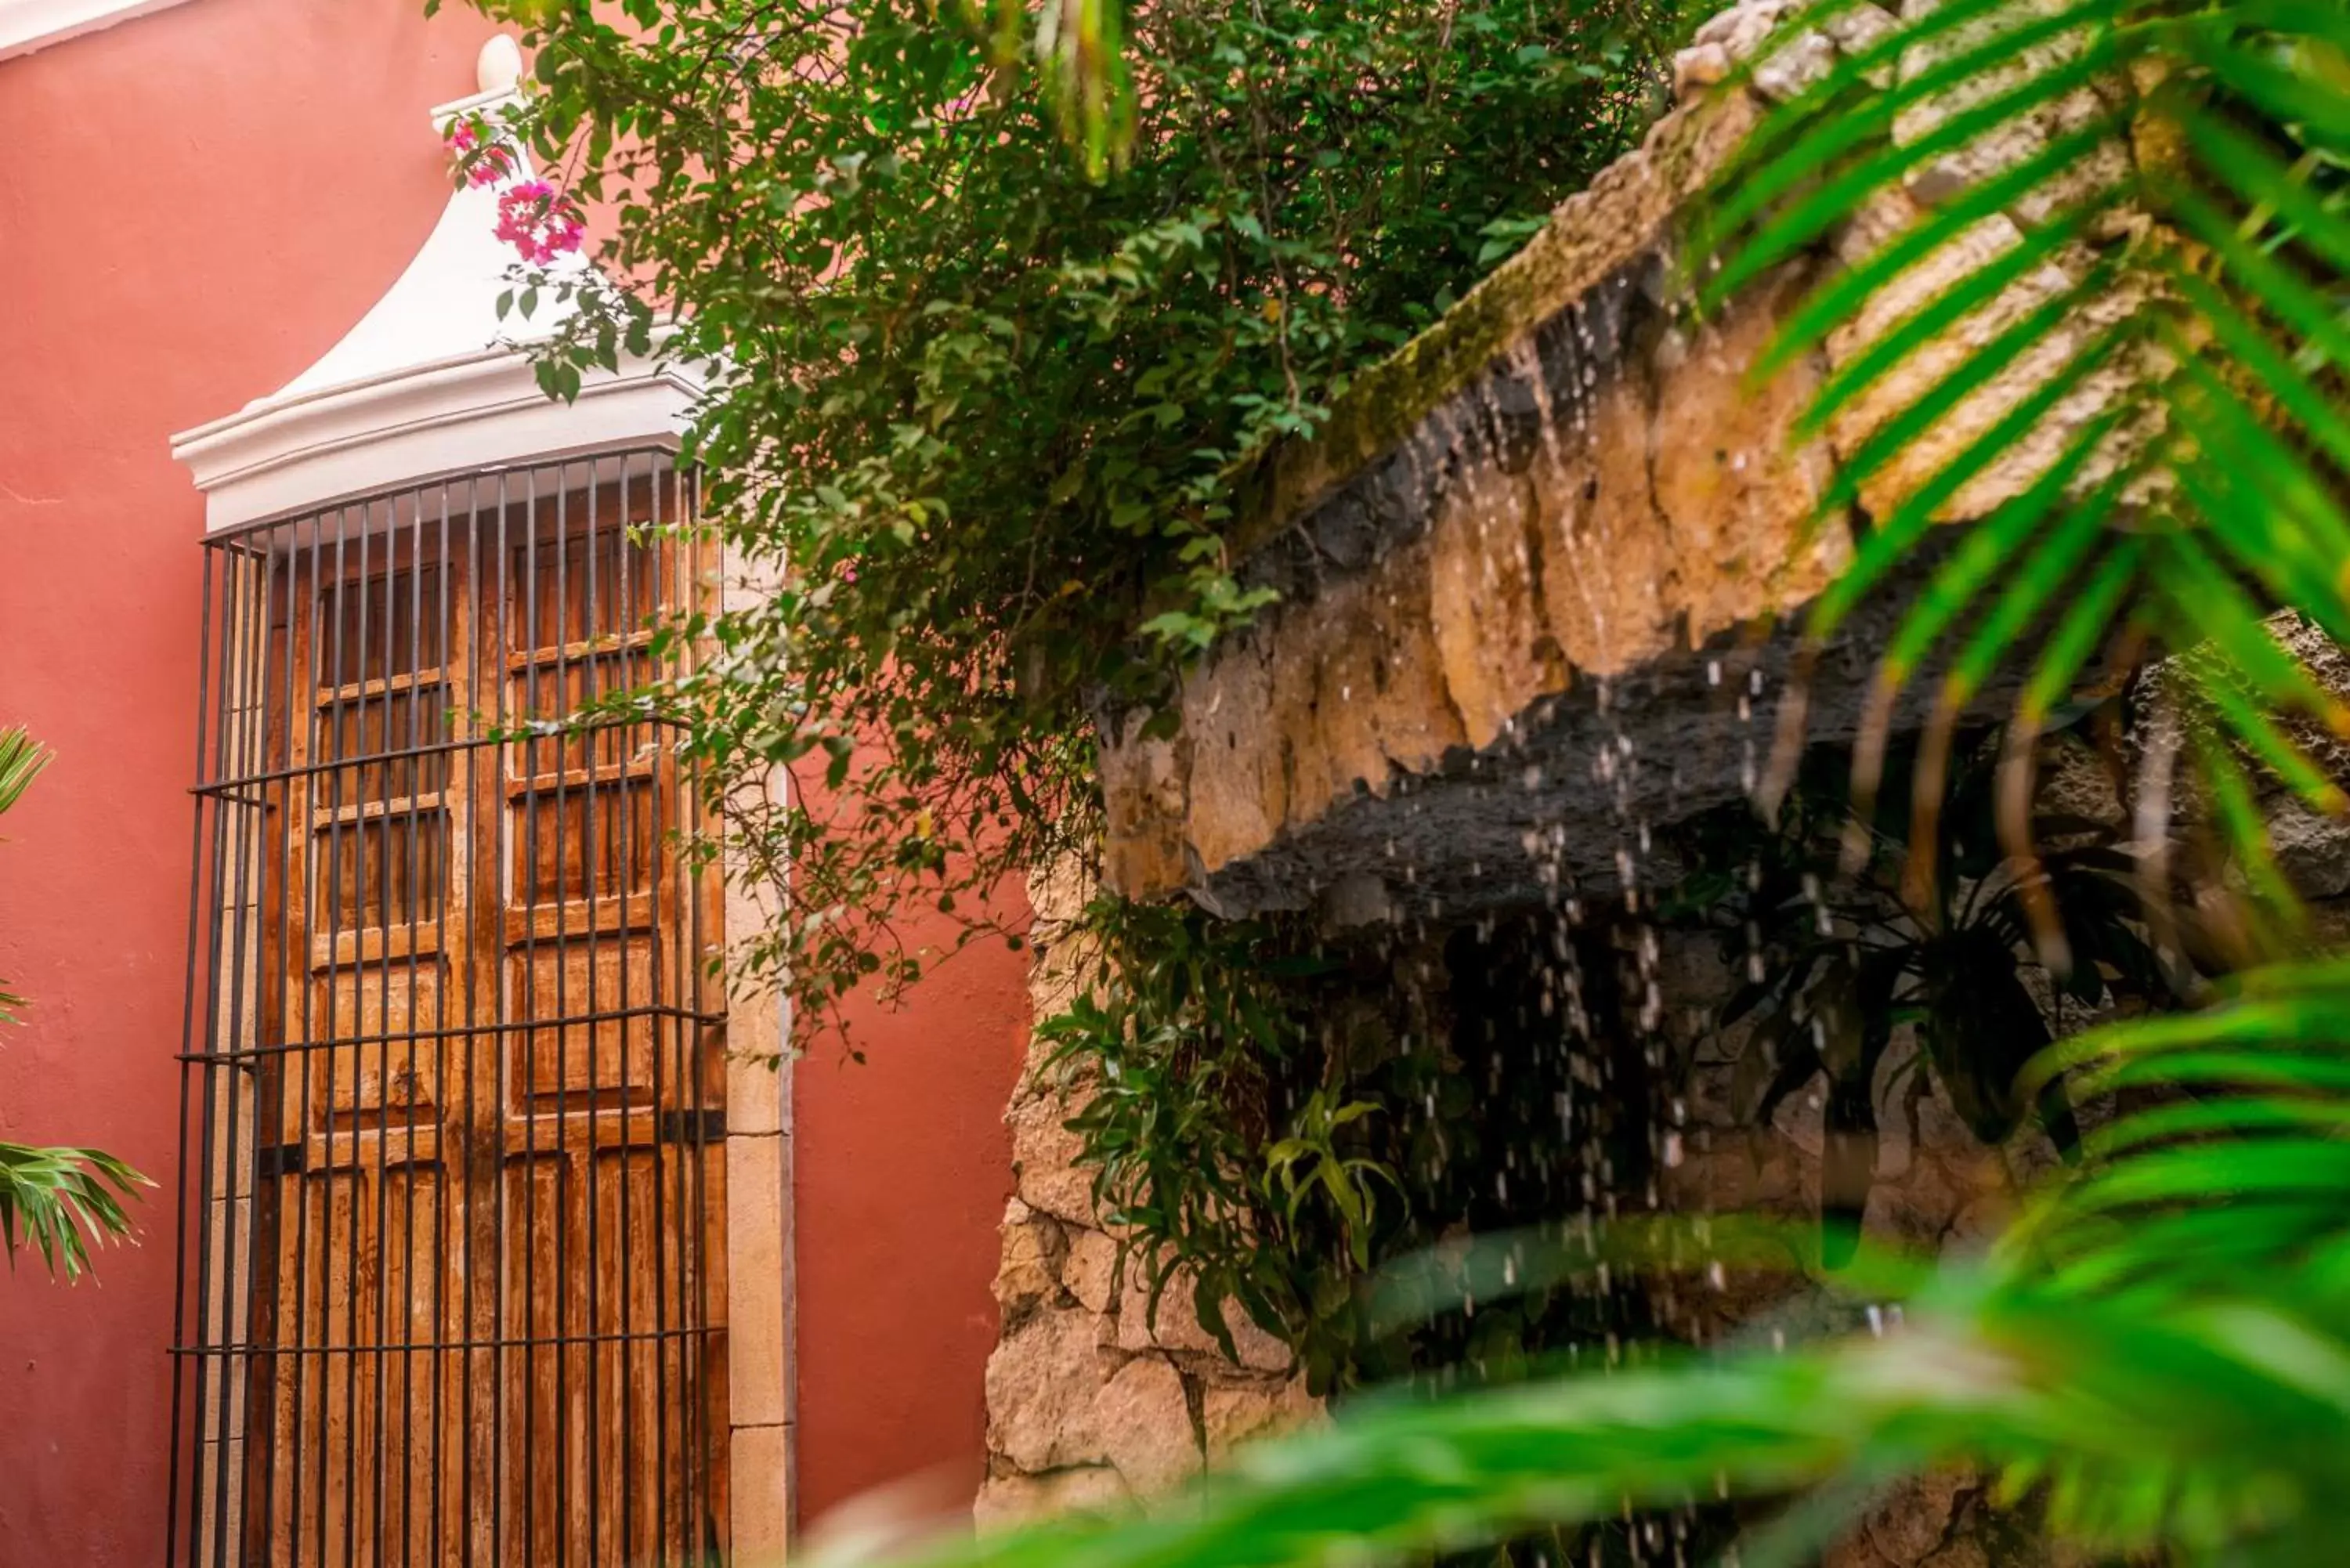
{"x":983,"y":414}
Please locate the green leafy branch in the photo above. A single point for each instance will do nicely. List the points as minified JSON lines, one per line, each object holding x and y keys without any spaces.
{"x":976,"y":407}
{"x":60,"y":1201}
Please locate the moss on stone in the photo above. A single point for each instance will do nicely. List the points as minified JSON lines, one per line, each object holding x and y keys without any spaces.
{"x":1627,"y":211}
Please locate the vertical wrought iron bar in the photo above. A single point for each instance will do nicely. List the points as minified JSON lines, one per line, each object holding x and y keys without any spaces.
{"x":356,"y":587}
{"x":628,"y":751}
{"x":442,"y":1330}
{"x":188,"y":1069}
{"x":578,"y":1180}
{"x":378,"y":809}
{"x":657,"y":1029}
{"x":339,"y":637}
{"x":689,"y":988}
{"x":590,"y":818}
{"x":530,"y":1051}
{"x":495,"y":800}
{"x":470,"y":921}
{"x":415,"y":768}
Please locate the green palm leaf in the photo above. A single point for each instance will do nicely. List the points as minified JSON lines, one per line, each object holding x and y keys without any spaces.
{"x":2160,"y":1350}
{"x":61,"y":1202}
{"x":2206,"y":267}
{"x":57,"y":1200}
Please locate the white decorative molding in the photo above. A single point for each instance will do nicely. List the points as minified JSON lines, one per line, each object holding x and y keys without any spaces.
{"x":425,"y":385}
{"x":298,"y":451}
{"x":29,"y":25}
{"x":498,"y":67}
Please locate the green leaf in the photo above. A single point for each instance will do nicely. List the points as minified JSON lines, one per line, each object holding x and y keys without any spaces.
{"x":1900,"y":534}
{"x":1846,"y":293}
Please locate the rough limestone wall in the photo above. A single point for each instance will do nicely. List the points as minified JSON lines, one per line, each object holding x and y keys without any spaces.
{"x":1086,"y":1405}
{"x":1088,"y":1401}
{"x":1595,"y":490}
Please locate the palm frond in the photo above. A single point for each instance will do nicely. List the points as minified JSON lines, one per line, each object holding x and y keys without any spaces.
{"x":2163,"y":187}
{"x":57,"y":1200}
{"x":2160,"y":1352}
{"x":60,"y":1201}
{"x":22,"y":758}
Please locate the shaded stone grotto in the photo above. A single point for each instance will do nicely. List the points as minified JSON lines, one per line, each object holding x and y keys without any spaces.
{"x":1541,"y":579}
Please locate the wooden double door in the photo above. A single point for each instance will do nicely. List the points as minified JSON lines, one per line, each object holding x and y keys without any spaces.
{"x":486,"y":1262}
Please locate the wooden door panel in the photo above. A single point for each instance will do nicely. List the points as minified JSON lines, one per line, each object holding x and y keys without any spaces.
{"x":373,"y":1440}
{"x":491,"y":1187}
{"x":593,"y":836}
{"x":393,"y":1015}
{"x":609,"y":1063}
{"x":607,"y":1377}
{"x":360,"y":1476}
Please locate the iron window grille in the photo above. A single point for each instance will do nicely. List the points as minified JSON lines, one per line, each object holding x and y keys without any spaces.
{"x":451,"y":1088}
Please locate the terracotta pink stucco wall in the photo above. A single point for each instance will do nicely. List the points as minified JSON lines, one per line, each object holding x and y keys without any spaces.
{"x":902,"y":1167}
{"x":193,"y":205}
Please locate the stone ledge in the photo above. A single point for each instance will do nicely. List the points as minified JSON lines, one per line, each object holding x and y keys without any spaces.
{"x":1559,"y":485}
{"x":1552,"y":551}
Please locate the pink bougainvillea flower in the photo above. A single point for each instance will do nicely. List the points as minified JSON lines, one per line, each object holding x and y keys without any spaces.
{"x":489,"y":166}
{"x":539,"y":221}
{"x":481,"y":157}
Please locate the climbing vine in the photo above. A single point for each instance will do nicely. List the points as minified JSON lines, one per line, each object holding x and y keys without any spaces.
{"x":978,"y":410}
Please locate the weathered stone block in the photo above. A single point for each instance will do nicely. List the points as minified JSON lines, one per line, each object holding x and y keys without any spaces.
{"x":1145,"y":1423}
{"x":1483,"y":606}
{"x":1044,"y":1155}
{"x":1012,"y":1497}
{"x":1914,"y":1518}
{"x":1030,"y":1269}
{"x":1041,"y":1383}
{"x":1091,"y":1272}
{"x":1237,"y":1413}
{"x":1178,"y":1328}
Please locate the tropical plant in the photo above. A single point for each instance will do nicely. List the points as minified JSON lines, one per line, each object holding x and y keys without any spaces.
{"x":57,"y":1200}
{"x":1272,"y":1123}
{"x":1853,"y":927}
{"x":2159,"y":1354}
{"x":2136,"y":367}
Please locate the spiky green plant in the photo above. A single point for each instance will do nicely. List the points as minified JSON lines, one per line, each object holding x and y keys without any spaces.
{"x":57,"y":1200}
{"x":2111,"y":254}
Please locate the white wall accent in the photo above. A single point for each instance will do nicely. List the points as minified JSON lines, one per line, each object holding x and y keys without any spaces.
{"x":29,"y":25}
{"x":431,"y":381}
